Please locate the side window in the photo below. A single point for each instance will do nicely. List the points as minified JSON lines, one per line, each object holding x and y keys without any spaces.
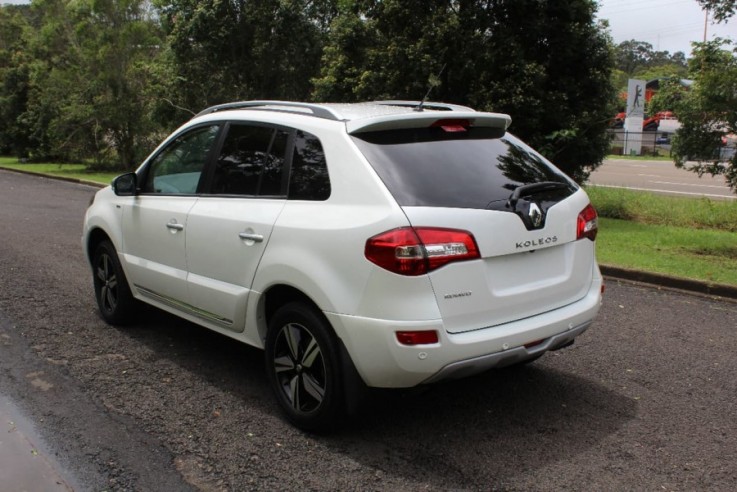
{"x":251,"y":161}
{"x":271,"y":177}
{"x":178,"y":167}
{"x":309,"y":179}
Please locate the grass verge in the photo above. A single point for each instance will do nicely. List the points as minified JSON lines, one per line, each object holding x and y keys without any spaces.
{"x":640,"y":157}
{"x":649,"y":208}
{"x":701,"y":254}
{"x":72,"y":171}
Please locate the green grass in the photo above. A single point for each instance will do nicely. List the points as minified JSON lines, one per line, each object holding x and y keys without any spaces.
{"x":641,"y":157}
{"x":708,"y":255}
{"x":649,"y":208}
{"x":73,"y":171}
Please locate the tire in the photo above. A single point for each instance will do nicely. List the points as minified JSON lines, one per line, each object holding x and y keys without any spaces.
{"x":302,"y":362}
{"x":114,"y":298}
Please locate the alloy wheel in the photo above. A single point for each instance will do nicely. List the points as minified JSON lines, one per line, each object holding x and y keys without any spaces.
{"x":299,"y":367}
{"x":107,"y":281}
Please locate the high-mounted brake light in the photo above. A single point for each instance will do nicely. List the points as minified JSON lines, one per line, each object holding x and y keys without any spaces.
{"x":415,"y":251}
{"x":588,"y":224}
{"x":452,"y":125}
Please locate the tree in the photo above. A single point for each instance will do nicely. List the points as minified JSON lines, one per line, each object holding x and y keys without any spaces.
{"x":638,"y":59}
{"x":546,"y":63}
{"x":93,"y":80}
{"x":721,"y":9}
{"x":631,"y":55}
{"x":707,"y":112}
{"x":230,"y":50}
{"x":15,"y":27}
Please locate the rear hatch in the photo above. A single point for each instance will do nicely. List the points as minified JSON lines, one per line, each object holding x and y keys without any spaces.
{"x":522,"y":212}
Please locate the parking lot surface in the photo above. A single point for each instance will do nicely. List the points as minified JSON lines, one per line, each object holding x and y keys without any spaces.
{"x":661,"y":177}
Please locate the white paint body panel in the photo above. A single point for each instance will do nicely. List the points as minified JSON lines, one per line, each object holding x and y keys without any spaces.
{"x":520,"y":274}
{"x":220,"y":263}
{"x":154,"y":253}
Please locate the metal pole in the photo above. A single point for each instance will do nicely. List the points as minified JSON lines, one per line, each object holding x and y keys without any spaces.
{"x":706,"y":20}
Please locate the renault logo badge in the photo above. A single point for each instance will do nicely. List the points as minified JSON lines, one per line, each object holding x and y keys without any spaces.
{"x":535,"y":215}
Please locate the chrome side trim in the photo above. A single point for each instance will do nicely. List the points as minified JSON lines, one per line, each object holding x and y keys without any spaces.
{"x":183,"y":306}
{"x":504,"y":358}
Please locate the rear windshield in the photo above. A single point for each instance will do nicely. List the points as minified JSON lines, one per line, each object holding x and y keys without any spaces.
{"x":474,"y":168}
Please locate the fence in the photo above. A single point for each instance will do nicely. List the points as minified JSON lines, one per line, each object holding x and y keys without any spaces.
{"x":656,"y":143}
{"x":650,"y":142}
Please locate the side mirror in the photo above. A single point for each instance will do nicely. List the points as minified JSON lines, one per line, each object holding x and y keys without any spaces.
{"x":125,"y":184}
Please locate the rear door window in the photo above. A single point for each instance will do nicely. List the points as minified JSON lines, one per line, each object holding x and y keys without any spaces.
{"x":251,"y":161}
{"x":473,"y":168}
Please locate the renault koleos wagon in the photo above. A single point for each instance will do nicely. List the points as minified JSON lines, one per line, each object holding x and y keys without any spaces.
{"x":385,"y":244}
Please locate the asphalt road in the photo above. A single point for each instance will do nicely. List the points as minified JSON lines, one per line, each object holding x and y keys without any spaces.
{"x":645,"y":400}
{"x":660,"y":177}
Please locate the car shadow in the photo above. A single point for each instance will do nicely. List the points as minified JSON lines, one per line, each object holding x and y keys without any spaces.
{"x":496,"y":424}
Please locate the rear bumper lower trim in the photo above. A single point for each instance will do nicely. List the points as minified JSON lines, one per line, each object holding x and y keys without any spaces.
{"x":477,"y":365}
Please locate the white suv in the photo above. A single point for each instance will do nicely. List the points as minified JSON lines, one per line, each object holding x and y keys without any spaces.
{"x":389,"y":243}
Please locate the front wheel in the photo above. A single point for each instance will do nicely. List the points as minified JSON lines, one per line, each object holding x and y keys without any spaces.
{"x":113,"y":295}
{"x":302,"y":367}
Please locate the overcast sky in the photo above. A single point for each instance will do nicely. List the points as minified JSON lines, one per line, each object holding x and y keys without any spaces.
{"x":669,"y":25}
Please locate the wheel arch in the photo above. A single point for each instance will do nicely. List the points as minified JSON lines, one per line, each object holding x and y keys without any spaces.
{"x":96,"y":236}
{"x":277,"y":296}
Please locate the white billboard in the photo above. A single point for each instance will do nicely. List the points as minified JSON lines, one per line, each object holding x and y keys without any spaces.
{"x":634,"y":116}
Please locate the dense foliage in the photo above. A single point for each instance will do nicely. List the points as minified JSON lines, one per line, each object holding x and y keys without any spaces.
{"x":508,"y":56}
{"x":707,"y":112}
{"x":101,"y":80}
{"x":82,"y":80}
{"x":720,"y":9}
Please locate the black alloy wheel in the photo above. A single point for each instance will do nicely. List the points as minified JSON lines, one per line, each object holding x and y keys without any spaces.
{"x":113,"y":295}
{"x":301,"y":363}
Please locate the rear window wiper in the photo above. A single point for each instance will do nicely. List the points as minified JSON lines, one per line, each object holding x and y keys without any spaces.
{"x":531,"y":189}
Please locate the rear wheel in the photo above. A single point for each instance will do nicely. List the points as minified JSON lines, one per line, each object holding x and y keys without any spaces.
{"x":113,"y":295}
{"x":302,"y":366}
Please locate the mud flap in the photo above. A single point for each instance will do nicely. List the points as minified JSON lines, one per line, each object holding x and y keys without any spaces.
{"x":354,"y":388}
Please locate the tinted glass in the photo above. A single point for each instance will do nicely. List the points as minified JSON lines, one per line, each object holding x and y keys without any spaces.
{"x":178,"y":167}
{"x":467,"y":169}
{"x":251,"y":161}
{"x":271,"y":176}
{"x":309,"y":179}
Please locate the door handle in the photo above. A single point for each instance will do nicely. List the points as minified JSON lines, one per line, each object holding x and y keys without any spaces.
{"x":174,"y":226}
{"x":257,"y":238}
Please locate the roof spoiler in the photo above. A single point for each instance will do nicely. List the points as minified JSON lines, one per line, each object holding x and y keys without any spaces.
{"x":426,"y":119}
{"x":429,"y":105}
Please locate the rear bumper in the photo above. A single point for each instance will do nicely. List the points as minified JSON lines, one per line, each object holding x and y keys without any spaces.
{"x":505,"y":358}
{"x":383,"y":362}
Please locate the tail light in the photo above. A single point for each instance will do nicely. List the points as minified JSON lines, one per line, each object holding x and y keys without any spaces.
{"x":588,"y":224}
{"x":415,"y":251}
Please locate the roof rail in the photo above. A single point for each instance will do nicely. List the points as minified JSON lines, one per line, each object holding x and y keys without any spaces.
{"x":428,"y":105}
{"x":283,"y":106}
